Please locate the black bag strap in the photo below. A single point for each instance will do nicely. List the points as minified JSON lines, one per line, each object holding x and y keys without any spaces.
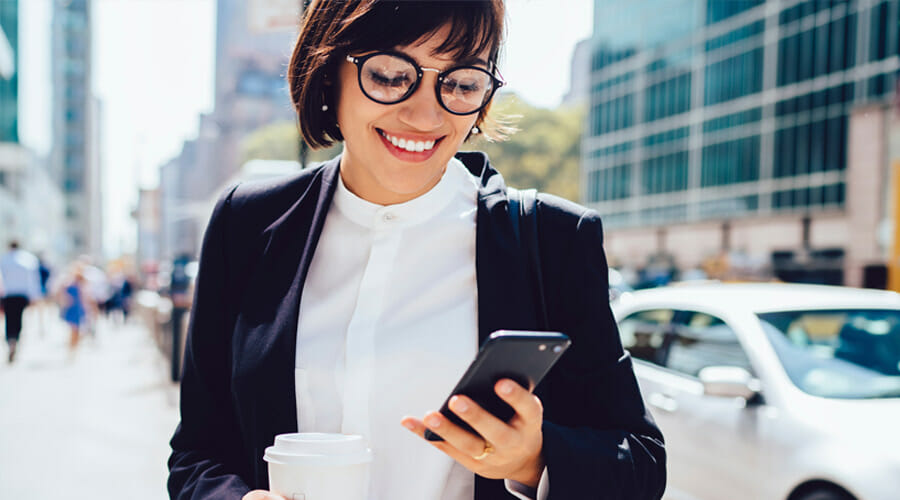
{"x":523,"y":214}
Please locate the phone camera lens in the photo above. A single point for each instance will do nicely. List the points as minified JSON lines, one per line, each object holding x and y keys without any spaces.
{"x":542,"y":347}
{"x":557,"y":349}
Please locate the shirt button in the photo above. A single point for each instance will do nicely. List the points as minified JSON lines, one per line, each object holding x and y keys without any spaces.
{"x":388,"y":217}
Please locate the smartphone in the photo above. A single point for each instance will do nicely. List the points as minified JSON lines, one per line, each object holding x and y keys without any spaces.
{"x":522,"y":356}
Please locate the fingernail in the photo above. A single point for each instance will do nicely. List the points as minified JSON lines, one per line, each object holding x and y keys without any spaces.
{"x":506,"y":387}
{"x":458,"y":404}
{"x":433,"y":421}
{"x":409,"y":425}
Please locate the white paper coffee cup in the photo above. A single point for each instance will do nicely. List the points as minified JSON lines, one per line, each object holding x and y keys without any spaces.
{"x":317,"y":466}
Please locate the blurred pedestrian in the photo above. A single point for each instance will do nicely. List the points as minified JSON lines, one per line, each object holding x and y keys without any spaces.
{"x":96,"y":291}
{"x":42,"y":307}
{"x":21,"y":284}
{"x":73,"y":302}
{"x":120,"y":288}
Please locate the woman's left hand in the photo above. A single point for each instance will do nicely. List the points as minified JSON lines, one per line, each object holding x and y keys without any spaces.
{"x":512,"y":450}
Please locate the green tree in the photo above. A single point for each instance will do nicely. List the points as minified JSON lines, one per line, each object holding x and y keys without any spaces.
{"x":280,"y":141}
{"x":544,"y":152}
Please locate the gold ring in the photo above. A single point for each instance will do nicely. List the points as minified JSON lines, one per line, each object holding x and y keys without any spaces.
{"x":488,"y":449}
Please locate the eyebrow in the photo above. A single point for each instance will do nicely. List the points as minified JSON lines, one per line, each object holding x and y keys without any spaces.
{"x":475,"y":60}
{"x":466,"y":61}
{"x":452,"y":63}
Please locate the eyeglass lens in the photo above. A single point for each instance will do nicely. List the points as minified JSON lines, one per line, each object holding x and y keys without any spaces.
{"x":389,"y":79}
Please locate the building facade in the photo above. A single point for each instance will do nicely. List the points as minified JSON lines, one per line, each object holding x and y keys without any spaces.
{"x":9,"y":76}
{"x":743,"y":126}
{"x":253,"y":47}
{"x":75,"y":155}
{"x":30,"y":199}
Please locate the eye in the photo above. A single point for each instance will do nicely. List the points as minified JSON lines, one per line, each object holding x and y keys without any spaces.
{"x":389,"y":80}
{"x":466,"y":86}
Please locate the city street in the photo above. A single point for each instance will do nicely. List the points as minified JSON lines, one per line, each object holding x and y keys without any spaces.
{"x":91,"y":425}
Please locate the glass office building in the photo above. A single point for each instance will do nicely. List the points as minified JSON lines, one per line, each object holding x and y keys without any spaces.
{"x":725,"y":110}
{"x":74,"y":119}
{"x":9,"y":78}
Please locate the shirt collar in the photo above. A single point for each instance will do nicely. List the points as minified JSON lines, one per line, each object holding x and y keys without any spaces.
{"x":371,"y":215}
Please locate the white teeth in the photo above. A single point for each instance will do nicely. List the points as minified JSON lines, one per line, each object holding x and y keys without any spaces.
{"x":409,"y":145}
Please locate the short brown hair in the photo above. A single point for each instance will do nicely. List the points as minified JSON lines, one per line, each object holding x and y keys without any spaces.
{"x":333,"y":29}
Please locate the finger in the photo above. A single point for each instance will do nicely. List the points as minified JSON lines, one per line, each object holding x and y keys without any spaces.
{"x":490,"y":427}
{"x":414,"y":425}
{"x":459,"y":438}
{"x":528,"y":407}
{"x":418,"y":427}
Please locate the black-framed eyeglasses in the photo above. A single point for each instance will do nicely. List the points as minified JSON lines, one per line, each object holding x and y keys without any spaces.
{"x":388,"y":77}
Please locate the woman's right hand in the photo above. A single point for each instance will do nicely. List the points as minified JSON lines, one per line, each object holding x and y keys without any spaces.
{"x":262,"y":495}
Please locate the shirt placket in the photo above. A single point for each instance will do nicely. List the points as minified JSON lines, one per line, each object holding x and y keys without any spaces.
{"x":359,"y":353}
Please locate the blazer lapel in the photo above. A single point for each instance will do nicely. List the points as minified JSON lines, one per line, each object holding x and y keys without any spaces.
{"x":266,"y":330}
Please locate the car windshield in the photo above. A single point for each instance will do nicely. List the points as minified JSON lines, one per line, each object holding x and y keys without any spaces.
{"x":838,"y":353}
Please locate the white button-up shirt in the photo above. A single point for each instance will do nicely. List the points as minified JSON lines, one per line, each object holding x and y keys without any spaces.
{"x":387,"y":326}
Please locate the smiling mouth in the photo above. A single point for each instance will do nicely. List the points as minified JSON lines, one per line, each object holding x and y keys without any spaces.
{"x":410,"y":145}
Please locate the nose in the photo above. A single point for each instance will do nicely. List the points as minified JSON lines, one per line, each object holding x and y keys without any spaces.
{"x":422,"y":110}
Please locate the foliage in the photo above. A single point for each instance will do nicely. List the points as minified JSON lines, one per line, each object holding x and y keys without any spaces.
{"x":280,"y":141}
{"x":544,"y":153}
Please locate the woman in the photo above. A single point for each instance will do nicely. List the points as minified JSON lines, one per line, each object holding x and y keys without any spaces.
{"x":73,"y":307}
{"x":354,"y":295}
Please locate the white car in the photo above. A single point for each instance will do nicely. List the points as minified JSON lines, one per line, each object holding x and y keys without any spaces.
{"x":770,"y":391}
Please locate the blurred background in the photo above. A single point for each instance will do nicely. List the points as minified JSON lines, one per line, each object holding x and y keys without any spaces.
{"x":733,"y":140}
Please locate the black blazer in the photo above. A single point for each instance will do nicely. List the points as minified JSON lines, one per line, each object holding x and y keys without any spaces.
{"x":237,"y":390}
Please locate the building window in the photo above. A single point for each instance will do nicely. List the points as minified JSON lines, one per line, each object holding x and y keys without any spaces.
{"x":717,"y":10}
{"x":831,"y":195}
{"x":878,"y":32}
{"x":734,"y":77}
{"x":612,"y":183}
{"x":730,"y":162}
{"x":612,"y":115}
{"x":810,"y":147}
{"x":667,"y":98}
{"x":665,"y":174}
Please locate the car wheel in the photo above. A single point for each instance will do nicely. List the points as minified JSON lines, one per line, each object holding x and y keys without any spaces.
{"x":825,"y":495}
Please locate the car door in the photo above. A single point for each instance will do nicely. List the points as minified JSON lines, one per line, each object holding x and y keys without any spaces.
{"x":711,"y":441}
{"x":646,"y":334}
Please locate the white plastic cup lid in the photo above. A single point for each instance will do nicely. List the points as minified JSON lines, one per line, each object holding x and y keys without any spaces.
{"x":316,"y":448}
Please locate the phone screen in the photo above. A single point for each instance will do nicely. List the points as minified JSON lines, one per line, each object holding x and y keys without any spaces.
{"x":522,"y":356}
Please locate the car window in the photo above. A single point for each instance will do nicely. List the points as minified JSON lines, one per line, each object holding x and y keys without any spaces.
{"x":838,"y":353}
{"x":699,"y":340}
{"x":644,"y":333}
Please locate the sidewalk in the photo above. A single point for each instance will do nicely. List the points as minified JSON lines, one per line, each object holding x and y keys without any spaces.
{"x":92,"y":426}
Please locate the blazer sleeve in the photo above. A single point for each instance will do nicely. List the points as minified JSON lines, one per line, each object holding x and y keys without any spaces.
{"x":599,"y":439}
{"x":206,"y":460}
